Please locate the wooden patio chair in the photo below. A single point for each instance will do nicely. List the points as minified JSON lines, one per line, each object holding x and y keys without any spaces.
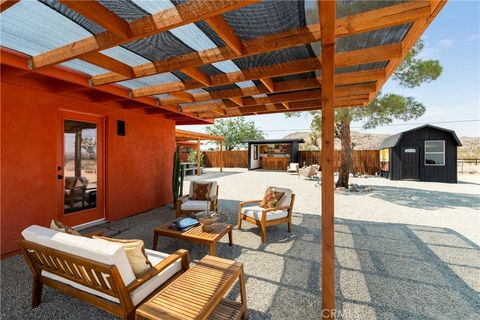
{"x":75,"y":190}
{"x":95,"y":271}
{"x":307,"y":172}
{"x":264,"y":218}
{"x":292,"y":167}
{"x":186,"y":206}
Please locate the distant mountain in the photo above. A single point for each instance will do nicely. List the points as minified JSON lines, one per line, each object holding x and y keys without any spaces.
{"x":362,"y":141}
{"x":371,"y":141}
{"x":470,"y":147}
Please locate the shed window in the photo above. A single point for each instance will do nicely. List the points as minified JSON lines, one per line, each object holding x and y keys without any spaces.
{"x":435,"y":153}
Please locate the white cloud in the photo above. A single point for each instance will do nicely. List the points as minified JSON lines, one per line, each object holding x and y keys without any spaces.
{"x":445,"y":43}
{"x":432,"y":51}
{"x":473,"y":37}
{"x":434,"y":113}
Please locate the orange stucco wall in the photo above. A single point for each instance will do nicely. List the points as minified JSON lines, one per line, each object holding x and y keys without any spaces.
{"x":138,"y":165}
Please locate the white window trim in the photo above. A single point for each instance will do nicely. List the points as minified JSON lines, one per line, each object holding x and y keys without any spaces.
{"x":425,"y":154}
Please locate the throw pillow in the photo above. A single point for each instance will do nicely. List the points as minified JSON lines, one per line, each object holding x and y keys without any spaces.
{"x":271,"y":198}
{"x":58,"y":226}
{"x":135,"y":250}
{"x":201,"y":191}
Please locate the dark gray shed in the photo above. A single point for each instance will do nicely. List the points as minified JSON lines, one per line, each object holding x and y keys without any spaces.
{"x":426,"y":153}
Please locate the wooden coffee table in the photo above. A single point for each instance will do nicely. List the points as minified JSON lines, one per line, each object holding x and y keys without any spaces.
{"x":195,"y":234}
{"x":198,"y":293}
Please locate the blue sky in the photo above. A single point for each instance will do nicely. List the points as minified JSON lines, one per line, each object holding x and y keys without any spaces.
{"x":454,"y":39}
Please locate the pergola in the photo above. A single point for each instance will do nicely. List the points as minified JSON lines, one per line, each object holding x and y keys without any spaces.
{"x":192,"y":61}
{"x":184,"y":137}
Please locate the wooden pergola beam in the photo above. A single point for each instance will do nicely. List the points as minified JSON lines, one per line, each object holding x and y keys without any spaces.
{"x":106,"y":62}
{"x":197,"y":75}
{"x":375,"y":54}
{"x":382,"y":18}
{"x":299,"y":100}
{"x":224,"y":31}
{"x":97,"y":13}
{"x":342,"y":93}
{"x":285,"y":86}
{"x":182,"y":96}
{"x":181,"y":15}
{"x":300,"y":106}
{"x":327,"y":10}
{"x":5,"y":4}
{"x":375,"y":19}
{"x":268,"y":83}
{"x":190,"y":135}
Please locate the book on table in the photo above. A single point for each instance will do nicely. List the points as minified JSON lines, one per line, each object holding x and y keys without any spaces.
{"x":185,"y":223}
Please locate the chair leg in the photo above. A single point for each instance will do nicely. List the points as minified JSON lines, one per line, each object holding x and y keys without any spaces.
{"x":130,"y":316}
{"x":37,"y":286}
{"x":289,"y":226}
{"x":263,"y":232}
{"x":239,"y":222}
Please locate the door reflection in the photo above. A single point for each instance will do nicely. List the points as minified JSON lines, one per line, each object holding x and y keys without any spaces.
{"x":80,"y":166}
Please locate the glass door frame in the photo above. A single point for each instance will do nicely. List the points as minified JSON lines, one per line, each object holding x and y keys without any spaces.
{"x":90,"y":214}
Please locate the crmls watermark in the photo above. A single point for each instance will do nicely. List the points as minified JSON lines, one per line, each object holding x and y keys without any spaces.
{"x":340,"y":314}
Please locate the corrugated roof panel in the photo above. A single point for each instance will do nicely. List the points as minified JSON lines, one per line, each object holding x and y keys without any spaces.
{"x":351,"y":7}
{"x":362,"y":67}
{"x":85,"y":67}
{"x":33,"y":28}
{"x":372,"y":38}
{"x":275,"y":57}
{"x":72,"y":15}
{"x":125,"y":9}
{"x":266,"y":17}
{"x":125,"y":56}
{"x":196,"y":91}
{"x":150,"y":81}
{"x":245,"y":84}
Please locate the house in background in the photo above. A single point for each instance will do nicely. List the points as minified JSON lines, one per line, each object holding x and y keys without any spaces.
{"x":272,"y":154}
{"x":426,"y":153}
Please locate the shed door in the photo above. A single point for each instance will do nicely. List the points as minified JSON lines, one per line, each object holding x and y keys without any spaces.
{"x":410,"y":163}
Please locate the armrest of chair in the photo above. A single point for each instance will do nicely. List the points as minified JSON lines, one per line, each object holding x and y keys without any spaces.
{"x":248,"y":202}
{"x":214,"y":198}
{"x":265,"y":211}
{"x":181,"y":199}
{"x":276,"y":208}
{"x":94,"y":233}
{"x":179,"y":254}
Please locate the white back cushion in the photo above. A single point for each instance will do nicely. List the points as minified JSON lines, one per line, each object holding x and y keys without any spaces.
{"x":213,"y":191}
{"x":285,"y":199}
{"x":99,"y":250}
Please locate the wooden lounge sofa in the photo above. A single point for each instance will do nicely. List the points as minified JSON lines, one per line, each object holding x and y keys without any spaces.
{"x":187,"y":206}
{"x":262,"y":217}
{"x":94,"y":270}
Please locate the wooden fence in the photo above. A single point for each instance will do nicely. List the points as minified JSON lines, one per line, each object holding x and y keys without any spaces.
{"x":231,"y":159}
{"x":364,"y":161}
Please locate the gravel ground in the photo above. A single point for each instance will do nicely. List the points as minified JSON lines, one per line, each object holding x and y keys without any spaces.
{"x":404,"y":250}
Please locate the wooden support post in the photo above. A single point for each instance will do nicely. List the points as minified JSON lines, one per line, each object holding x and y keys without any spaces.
{"x":221,"y":156}
{"x":198,"y":157}
{"x":327,"y":22}
{"x":78,"y":153}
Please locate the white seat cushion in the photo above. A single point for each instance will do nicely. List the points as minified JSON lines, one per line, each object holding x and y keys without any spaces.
{"x":94,"y":249}
{"x":148,"y":287}
{"x":195,"y":205}
{"x":139,"y":294}
{"x":256,"y":213}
